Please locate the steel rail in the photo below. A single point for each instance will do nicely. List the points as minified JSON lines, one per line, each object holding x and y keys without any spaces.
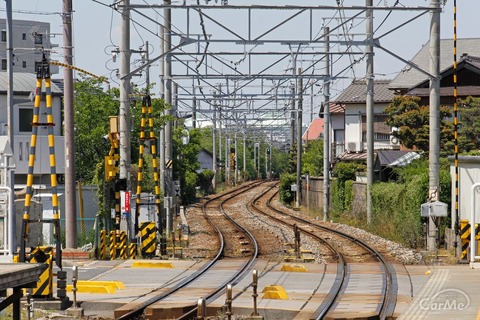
{"x":242,"y":272}
{"x":391,"y":285}
{"x":137,"y":311}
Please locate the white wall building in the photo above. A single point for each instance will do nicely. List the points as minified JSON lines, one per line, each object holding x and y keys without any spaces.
{"x":28,"y":40}
{"x":24,"y":87}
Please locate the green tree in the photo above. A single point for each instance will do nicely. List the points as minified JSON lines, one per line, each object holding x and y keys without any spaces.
{"x":92,"y":106}
{"x":313,"y":158}
{"x":186,"y":163}
{"x":469,"y":125}
{"x":412,"y":121}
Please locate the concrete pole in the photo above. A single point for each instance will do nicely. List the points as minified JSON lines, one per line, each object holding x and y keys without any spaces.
{"x":124,"y":114}
{"x":147,"y":71}
{"x":227,"y":162}
{"x":292,"y":124}
{"x":214,"y":148}
{"x":370,"y":106}
{"x":326,"y":128}
{"x":168,"y":100}
{"x":194,"y":111}
{"x":236,"y":159}
{"x":434,"y":143}
{"x":299,"y":137}
{"x":12,"y":237}
{"x":245,"y":149}
{"x":161,"y":134}
{"x":70,"y":196}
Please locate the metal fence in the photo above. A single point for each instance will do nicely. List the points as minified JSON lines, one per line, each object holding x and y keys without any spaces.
{"x":85,"y":231}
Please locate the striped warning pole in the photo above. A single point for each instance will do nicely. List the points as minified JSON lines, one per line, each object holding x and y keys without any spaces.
{"x":43,"y":73}
{"x":123,"y":245}
{"x":112,"y":245}
{"x":132,"y":250}
{"x":464,"y":235}
{"x":102,"y":248}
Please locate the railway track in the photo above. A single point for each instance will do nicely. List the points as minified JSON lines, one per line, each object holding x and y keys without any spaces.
{"x":351,"y":255}
{"x":237,"y":251}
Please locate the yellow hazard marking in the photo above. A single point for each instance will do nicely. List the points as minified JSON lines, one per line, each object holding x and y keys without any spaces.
{"x":114,"y":284}
{"x":274,"y":292}
{"x":93,"y":288}
{"x":294,"y":268}
{"x":141,"y":264}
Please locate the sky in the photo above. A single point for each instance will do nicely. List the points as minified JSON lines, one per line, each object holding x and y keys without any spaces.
{"x":96,"y":30}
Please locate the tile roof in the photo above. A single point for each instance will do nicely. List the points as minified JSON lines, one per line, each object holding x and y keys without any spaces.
{"x":314,"y":130}
{"x":409,"y":77}
{"x":356,"y":92}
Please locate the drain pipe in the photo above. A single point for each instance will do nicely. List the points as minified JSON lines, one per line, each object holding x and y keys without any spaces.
{"x":472,"y":228}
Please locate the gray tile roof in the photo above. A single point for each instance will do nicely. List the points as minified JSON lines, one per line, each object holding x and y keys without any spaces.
{"x":410,"y":77}
{"x":23,"y":82}
{"x":356,"y":92}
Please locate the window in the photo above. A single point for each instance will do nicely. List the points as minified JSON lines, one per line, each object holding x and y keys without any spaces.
{"x":4,"y":36}
{"x":4,"y":64}
{"x":38,"y":38}
{"x":24,"y":36}
{"x":25,"y":117}
{"x":24,"y":64}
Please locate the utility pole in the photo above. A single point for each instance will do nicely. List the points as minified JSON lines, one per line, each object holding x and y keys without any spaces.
{"x":70,"y":196}
{"x":299,"y":136}
{"x":214,"y":149}
{"x":194,"y":110}
{"x":370,"y":106}
{"x":12,"y":237}
{"x":161,"y":136}
{"x":236,"y":159}
{"x":292,"y":123}
{"x":146,"y":59}
{"x":434,"y":142}
{"x":124,"y":114}
{"x":244,"y":149}
{"x":167,"y":14}
{"x":326,"y":127}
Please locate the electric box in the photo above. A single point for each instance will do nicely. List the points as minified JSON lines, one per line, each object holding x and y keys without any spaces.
{"x":434,"y":209}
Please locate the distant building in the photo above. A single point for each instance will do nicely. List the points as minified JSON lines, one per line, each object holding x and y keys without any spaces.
{"x":23,"y":93}
{"x":314,"y":131}
{"x":28,"y":39}
{"x":352,"y":101}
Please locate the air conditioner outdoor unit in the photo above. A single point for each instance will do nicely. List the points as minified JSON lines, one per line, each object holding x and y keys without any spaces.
{"x":351,"y":146}
{"x":354,"y":147}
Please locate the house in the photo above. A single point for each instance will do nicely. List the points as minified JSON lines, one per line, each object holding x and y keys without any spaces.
{"x":314,"y":131}
{"x":29,"y":38}
{"x":23,"y":90}
{"x":205,"y":158}
{"x":411,"y":81}
{"x":349,"y":134}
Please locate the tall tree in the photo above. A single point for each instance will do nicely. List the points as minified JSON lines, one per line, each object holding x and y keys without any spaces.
{"x":93,"y":106}
{"x":412,"y":123}
{"x":313,"y":158}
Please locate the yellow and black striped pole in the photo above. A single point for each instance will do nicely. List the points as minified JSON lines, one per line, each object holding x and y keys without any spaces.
{"x":113,"y":244}
{"x":43,"y":73}
{"x":102,"y":249}
{"x":455,"y":124}
{"x":147,"y":109}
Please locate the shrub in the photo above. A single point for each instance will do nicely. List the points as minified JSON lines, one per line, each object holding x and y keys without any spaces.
{"x":286,"y":181}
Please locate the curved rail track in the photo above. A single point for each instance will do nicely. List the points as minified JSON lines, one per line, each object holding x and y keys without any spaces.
{"x":221,"y":224}
{"x":387,"y":305}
